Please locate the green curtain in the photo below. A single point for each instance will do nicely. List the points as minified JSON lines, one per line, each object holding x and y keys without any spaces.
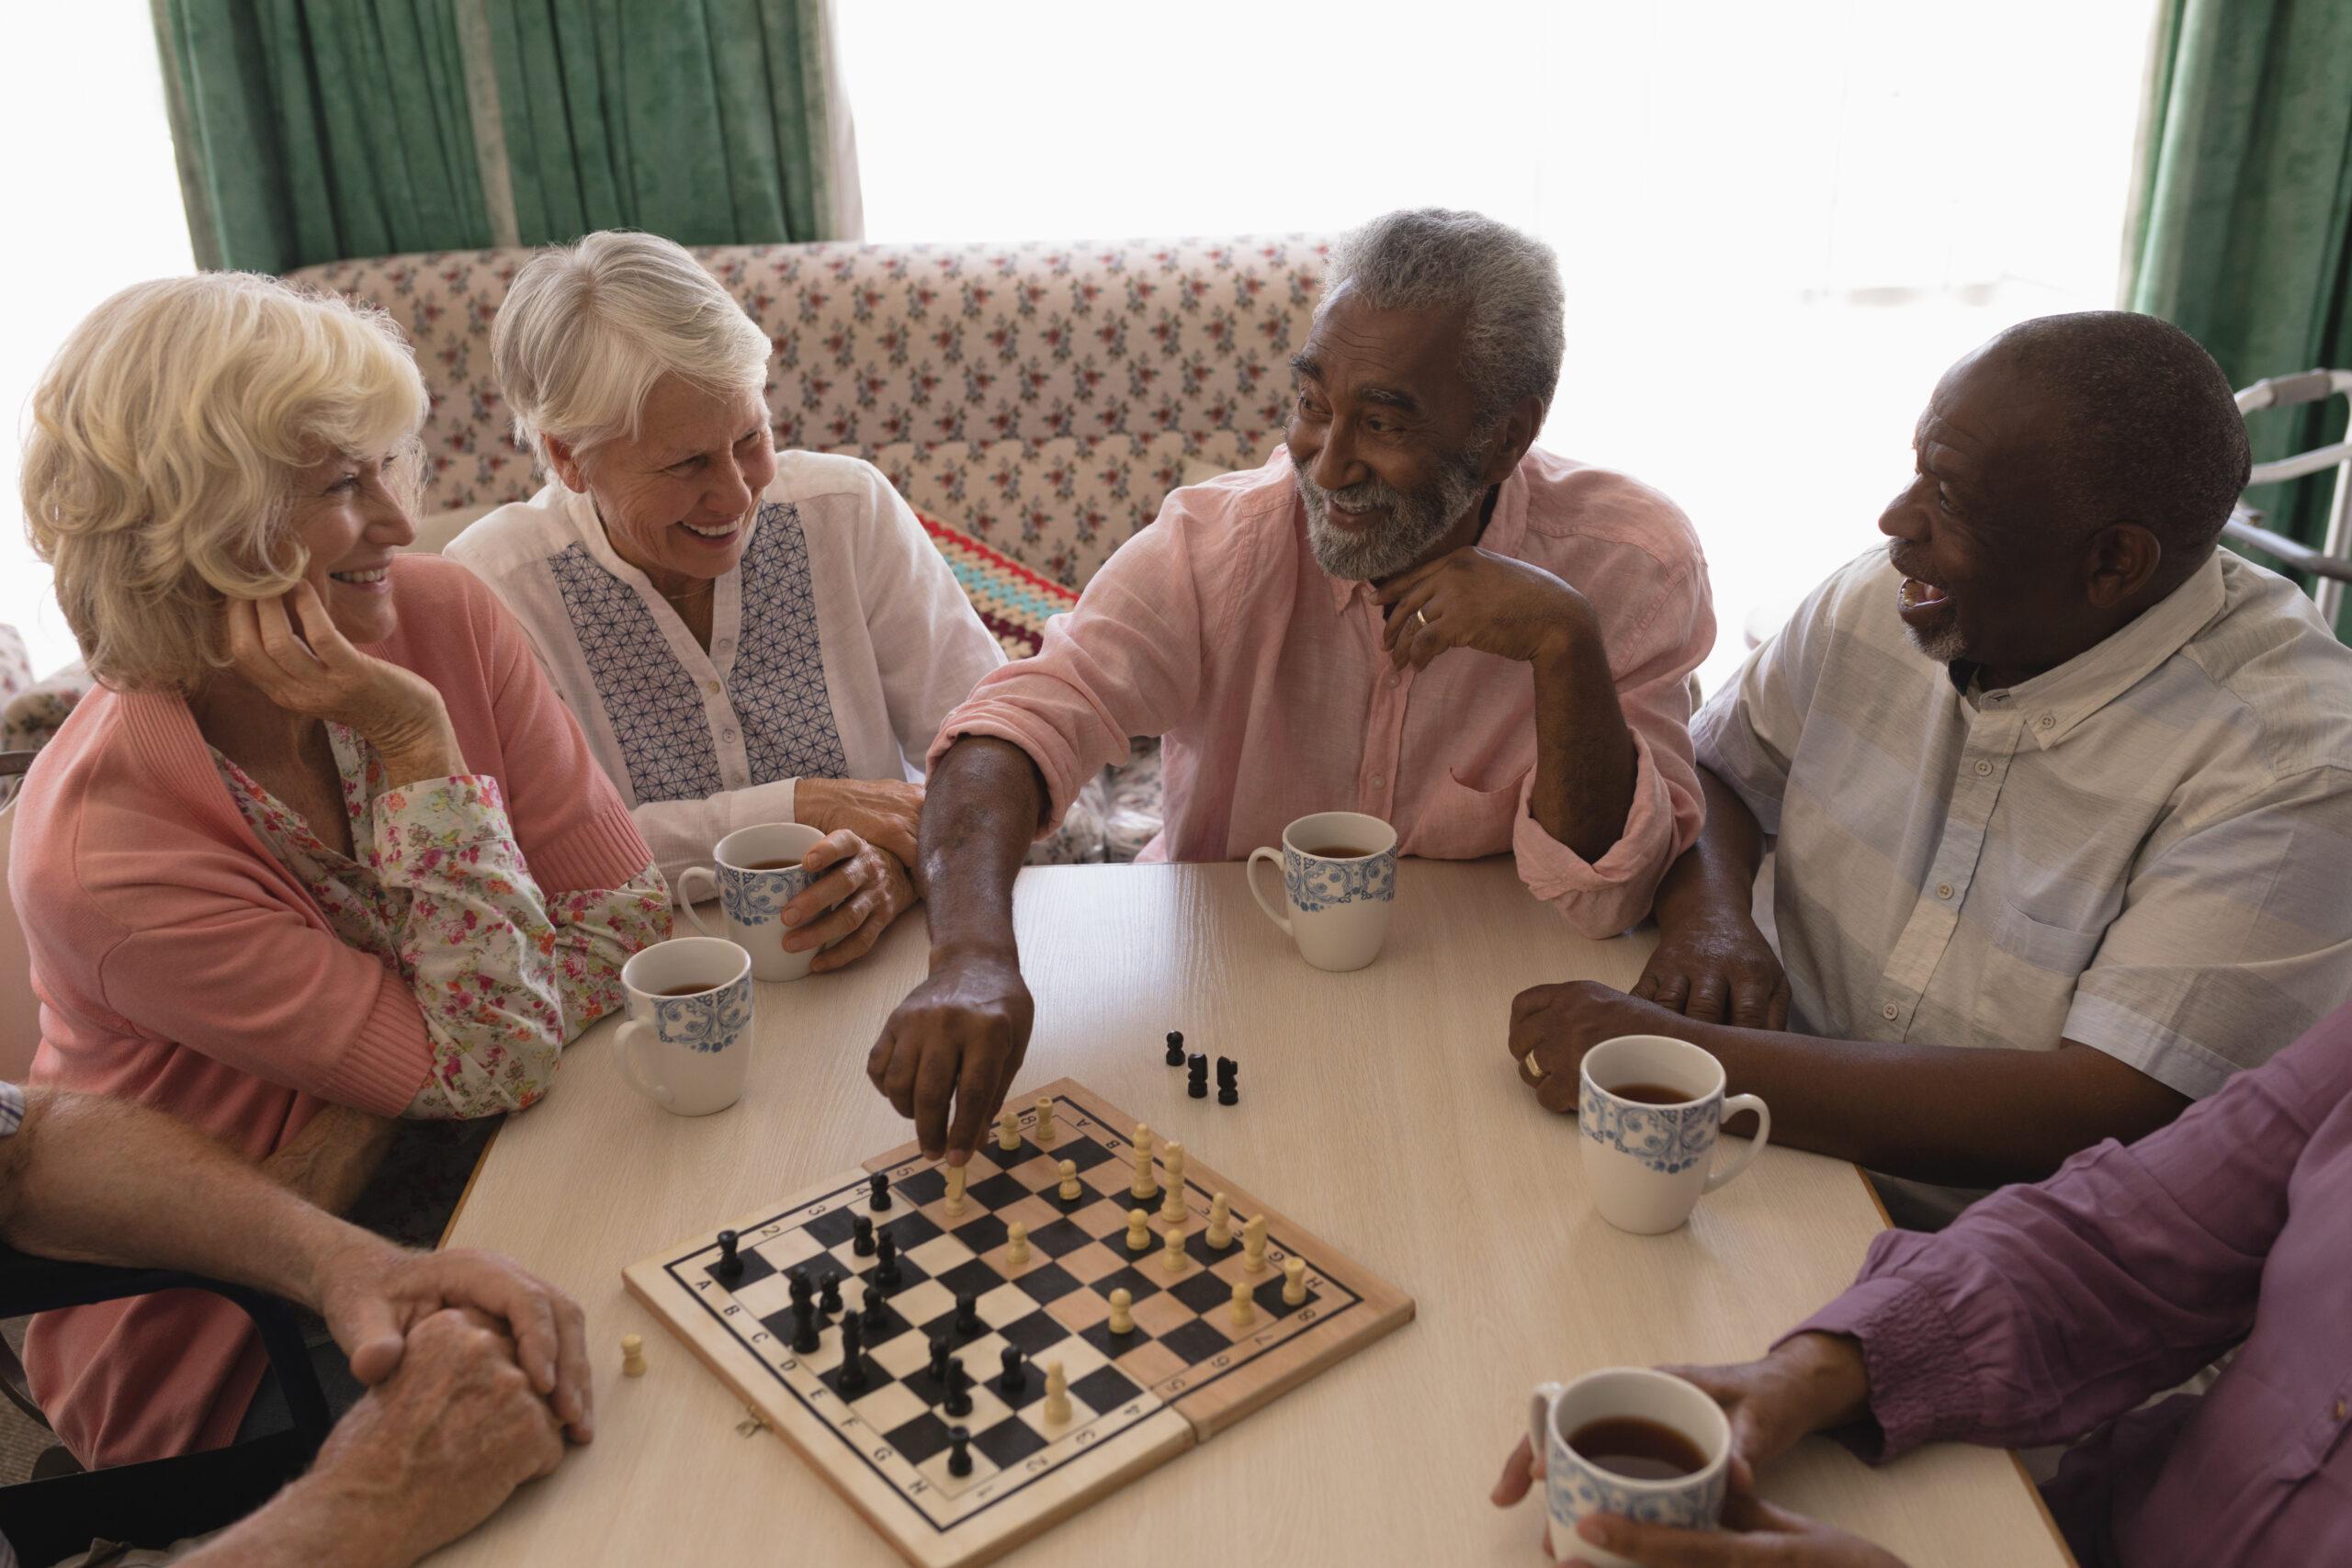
{"x":310,"y":131}
{"x":2246,"y":202}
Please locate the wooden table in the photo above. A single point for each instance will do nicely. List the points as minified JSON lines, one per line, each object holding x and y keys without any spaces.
{"x":1379,"y":1109}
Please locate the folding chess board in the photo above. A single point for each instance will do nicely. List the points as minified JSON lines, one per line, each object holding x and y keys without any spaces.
{"x":1183,"y":1374}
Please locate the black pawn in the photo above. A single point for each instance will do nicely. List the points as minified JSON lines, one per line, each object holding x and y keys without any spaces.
{"x":1196,"y":1068}
{"x":968,"y":1315}
{"x":829,"y":1301}
{"x":798,"y":1282}
{"x":853,"y":1376}
{"x":960,"y":1389}
{"x":1175,"y":1048}
{"x":730,"y":1265}
{"x":886,"y":1261}
{"x":1013,"y":1379}
{"x":879,"y":1185}
{"x":959,"y":1450}
{"x":804,"y":1327}
{"x":862,"y":1234}
{"x":940,"y":1360}
{"x":877,"y":1313}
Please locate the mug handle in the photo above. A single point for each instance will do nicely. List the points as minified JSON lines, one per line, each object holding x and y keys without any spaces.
{"x":1732,"y":1107}
{"x":686,"y":899}
{"x":634,"y":1032}
{"x":1539,"y":1420}
{"x":1250,"y":875}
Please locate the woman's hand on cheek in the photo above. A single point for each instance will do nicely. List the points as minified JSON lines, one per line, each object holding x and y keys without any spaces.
{"x":291,"y":651}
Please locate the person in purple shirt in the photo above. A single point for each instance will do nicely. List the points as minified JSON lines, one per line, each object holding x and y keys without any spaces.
{"x":2052,"y":1313}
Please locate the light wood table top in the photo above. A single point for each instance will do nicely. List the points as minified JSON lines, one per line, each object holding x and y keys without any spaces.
{"x":1379,"y":1109}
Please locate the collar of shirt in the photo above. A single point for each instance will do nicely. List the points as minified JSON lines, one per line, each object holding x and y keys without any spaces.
{"x":727,"y":594}
{"x":1504,"y":533}
{"x":2062,"y":698}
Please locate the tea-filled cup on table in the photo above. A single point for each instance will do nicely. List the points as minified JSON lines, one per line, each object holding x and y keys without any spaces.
{"x":686,"y":1043}
{"x":1627,"y":1440}
{"x":759,"y":872}
{"x":1339,"y":880}
{"x":1650,"y":1109}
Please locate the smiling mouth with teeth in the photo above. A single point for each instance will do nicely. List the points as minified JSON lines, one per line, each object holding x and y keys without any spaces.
{"x":723,"y":531}
{"x":1918,"y":595}
{"x":361,"y":579}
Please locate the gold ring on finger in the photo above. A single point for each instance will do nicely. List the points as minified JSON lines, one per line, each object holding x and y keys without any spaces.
{"x":1535,"y":1068}
{"x":1422,"y":616}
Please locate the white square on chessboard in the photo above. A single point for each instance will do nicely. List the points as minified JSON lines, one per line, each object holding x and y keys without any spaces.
{"x":920,"y":1303}
{"x":765,"y":1297}
{"x":981,"y":1358}
{"x":1007,"y":1303}
{"x":789,"y":1251}
{"x":938,"y":1255}
{"x":902,"y":1355}
{"x":889,"y":1408}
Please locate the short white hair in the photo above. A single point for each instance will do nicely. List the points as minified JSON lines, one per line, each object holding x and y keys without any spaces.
{"x":588,"y":329}
{"x":166,"y":435}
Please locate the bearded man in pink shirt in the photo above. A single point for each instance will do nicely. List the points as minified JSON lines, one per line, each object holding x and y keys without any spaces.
{"x":1408,"y":613}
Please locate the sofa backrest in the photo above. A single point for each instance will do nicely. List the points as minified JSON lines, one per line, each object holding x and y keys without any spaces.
{"x":1042,"y":398}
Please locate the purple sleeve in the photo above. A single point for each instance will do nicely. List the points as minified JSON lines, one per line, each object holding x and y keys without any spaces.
{"x":2045,"y":1310}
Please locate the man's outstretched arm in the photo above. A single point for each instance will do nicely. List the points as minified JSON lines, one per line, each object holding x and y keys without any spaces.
{"x":955,"y":1044}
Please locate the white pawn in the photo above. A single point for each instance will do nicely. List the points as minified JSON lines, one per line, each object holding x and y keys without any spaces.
{"x":954,"y":1192}
{"x":632,"y":1356}
{"x":1245,"y":1310}
{"x":1294,"y":1282}
{"x":1057,"y":1394}
{"x":1070,"y":1187}
{"x":1123,"y":1317}
{"x":1008,"y":1130}
{"x":1174,"y":1258}
{"x":1139,"y":1231}
{"x":1254,"y":1238}
{"x":1220,"y":1222}
{"x":1016,"y":1246}
{"x":1046,"y":1131}
{"x":1173,"y":1210}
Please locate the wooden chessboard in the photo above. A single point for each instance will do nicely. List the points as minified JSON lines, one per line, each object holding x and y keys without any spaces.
{"x":1182,"y":1374}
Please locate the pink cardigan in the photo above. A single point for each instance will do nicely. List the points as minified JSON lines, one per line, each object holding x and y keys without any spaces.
{"x":179,"y":964}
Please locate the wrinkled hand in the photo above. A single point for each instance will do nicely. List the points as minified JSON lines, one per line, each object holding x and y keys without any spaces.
{"x":1718,"y":970}
{"x":1807,"y":1385}
{"x":884,"y":812}
{"x":432,"y":1452}
{"x":398,"y":710}
{"x":1473,"y":598}
{"x":1754,"y":1534}
{"x":375,"y":1295}
{"x":866,"y":890}
{"x":958,"y":1036}
{"x":1553,"y":1026}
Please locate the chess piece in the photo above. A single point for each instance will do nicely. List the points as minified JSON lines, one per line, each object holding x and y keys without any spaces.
{"x":1228,"y":1081}
{"x":1196,"y":1076}
{"x":1175,"y":1047}
{"x":1294,"y":1282}
{"x":1172,"y":1259}
{"x":1139,"y":1231}
{"x":729,"y":1266}
{"x":862,"y":1236}
{"x":804,"y":1327}
{"x":1014,"y":1380}
{"x":1046,"y":1131}
{"x":955,"y":1178}
{"x":886,"y":1261}
{"x":959,"y":1450}
{"x":1220,"y":1222}
{"x":1245,"y":1310}
{"x":1123,"y":1317}
{"x":1253,"y":1240}
{"x":1173,"y":1210}
{"x":1143,"y":1189}
{"x":1057,"y":1394}
{"x":968,"y":1316}
{"x":798,"y":1282}
{"x":632,"y":1356}
{"x":1016,"y":1246}
{"x":828,"y":1299}
{"x":939,"y":1359}
{"x":1008,"y":1129}
{"x":1070,"y":1191}
{"x":853,"y":1379}
{"x":876,"y":1310}
{"x":960,"y":1389}
{"x":879,"y":1189}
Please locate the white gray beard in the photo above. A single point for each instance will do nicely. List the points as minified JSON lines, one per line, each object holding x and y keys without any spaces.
{"x":1415,"y":521}
{"x":1944,"y":645}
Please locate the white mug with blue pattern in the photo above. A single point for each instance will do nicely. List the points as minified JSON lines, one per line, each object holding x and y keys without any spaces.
{"x":1574,"y":1486}
{"x":759,"y":873}
{"x":1339,"y":879}
{"x":1649,"y":1156}
{"x":687,"y":1040}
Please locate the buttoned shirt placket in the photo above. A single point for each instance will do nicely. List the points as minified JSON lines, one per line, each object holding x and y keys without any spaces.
{"x":1982,"y":766}
{"x":1384,"y":729}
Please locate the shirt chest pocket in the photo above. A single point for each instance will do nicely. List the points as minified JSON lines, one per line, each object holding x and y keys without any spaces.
{"x":2061,"y":950}
{"x":1462,"y":823}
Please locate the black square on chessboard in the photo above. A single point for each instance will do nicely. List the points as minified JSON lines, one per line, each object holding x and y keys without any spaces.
{"x":1008,"y":1442}
{"x":875,"y":1378}
{"x":982,"y":1234}
{"x":1269,"y":1297}
{"x":1195,"y":1341}
{"x":1104,"y":1389}
{"x":1204,"y":1293}
{"x":999,"y":1191}
{"x":1059,"y":1238}
{"x":972,"y":1278}
{"x":755,"y":1267}
{"x":909,"y":1273}
{"x":919,"y":1439}
{"x":929,"y":1389}
{"x":1198,"y":1245}
{"x":1044,"y":1283}
{"x":1032,"y":1386}
{"x":924,"y":1187}
{"x":943,"y":1327}
{"x":1034,"y":1335}
{"x":1083,"y":1155}
{"x":1136,"y":1283}
{"x":890,"y":1327}
{"x":834,"y":1227}
{"x":908,"y":1230}
{"x":1004,"y":1158}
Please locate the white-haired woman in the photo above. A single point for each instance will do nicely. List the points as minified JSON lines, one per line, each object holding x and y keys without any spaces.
{"x":747,"y":636}
{"x":322,"y":847}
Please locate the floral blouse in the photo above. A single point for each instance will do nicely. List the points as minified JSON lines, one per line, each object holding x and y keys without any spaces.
{"x":439,"y":893}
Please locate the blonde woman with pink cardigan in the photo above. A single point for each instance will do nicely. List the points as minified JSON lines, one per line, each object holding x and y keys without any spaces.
{"x":323,"y":849}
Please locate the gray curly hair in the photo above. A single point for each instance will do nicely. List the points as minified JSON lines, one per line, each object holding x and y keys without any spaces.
{"x":1508,"y":281}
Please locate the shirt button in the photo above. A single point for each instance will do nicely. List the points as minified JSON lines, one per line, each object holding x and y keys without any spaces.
{"x":1378,"y":782}
{"x":2045,"y":721}
{"x":723,"y":644}
{"x":1944,"y":889}
{"x":726,"y":734}
{"x":1983,"y":767}
{"x":714,"y":688}
{"x":1391,"y":683}
{"x":1888,"y":1012}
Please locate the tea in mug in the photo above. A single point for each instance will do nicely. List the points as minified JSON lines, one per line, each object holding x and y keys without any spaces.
{"x":1637,"y":1449}
{"x":1336,"y":851}
{"x":1652,"y":1094}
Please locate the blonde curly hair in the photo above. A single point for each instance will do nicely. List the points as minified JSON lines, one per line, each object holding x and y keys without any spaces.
{"x":167,"y":435}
